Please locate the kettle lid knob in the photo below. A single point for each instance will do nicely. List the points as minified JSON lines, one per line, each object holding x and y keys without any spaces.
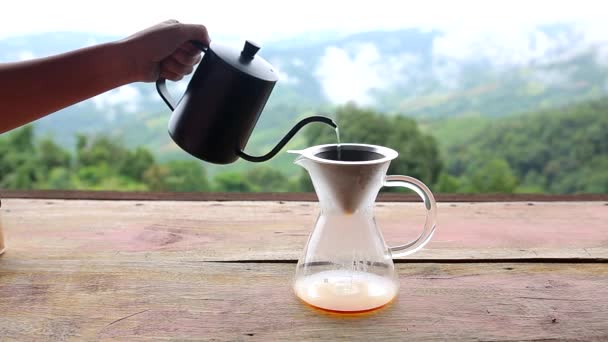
{"x":249,"y":50}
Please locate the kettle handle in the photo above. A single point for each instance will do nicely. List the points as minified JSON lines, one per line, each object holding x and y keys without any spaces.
{"x":161,"y":88}
{"x":161,"y":83}
{"x":286,"y":138}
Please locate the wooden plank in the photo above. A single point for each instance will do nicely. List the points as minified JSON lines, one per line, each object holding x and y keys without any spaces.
{"x":82,"y":229}
{"x":285,"y":196}
{"x":128,"y":300}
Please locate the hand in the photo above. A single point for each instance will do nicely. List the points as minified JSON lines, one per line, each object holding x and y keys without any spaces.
{"x":164,"y":50}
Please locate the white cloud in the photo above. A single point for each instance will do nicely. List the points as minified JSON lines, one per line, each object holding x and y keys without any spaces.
{"x":601,"y":54}
{"x":552,"y":77}
{"x":284,"y":78}
{"x":350,"y":78}
{"x":25,"y":55}
{"x":507,"y":46}
{"x":351,"y":74}
{"x":127,"y":97}
{"x":466,"y":45}
{"x":447,"y":73}
{"x":259,"y":21}
{"x":297,"y":62}
{"x":91,"y":41}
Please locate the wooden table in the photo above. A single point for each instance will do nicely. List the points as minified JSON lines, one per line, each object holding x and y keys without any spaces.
{"x":221,"y":270}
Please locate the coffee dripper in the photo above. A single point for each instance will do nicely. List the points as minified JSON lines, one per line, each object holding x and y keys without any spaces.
{"x":346,"y":265}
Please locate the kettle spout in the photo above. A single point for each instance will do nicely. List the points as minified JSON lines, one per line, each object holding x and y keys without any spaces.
{"x":322,"y":119}
{"x":287,"y":137}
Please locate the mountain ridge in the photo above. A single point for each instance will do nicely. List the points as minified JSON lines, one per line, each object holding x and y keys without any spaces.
{"x":405,"y":72}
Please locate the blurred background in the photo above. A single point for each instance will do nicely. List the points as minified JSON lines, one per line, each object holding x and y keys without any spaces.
{"x":476,"y":96}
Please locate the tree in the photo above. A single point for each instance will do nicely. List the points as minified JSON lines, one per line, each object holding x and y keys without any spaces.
{"x":25,"y":176}
{"x":18,"y":160}
{"x":267,"y":179}
{"x":554,"y":151}
{"x":177,"y":175}
{"x":232,"y":182}
{"x":155,"y":177}
{"x":51,"y":155}
{"x":58,"y":178}
{"x":101,"y":163}
{"x":494,"y":176}
{"x":22,"y":139}
{"x":102,"y":149}
{"x":91,"y":176}
{"x":448,"y":184}
{"x":136,"y":163}
{"x":186,"y":175}
{"x":595,"y":176}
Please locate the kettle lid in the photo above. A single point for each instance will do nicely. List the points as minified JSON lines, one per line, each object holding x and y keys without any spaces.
{"x":246,"y":60}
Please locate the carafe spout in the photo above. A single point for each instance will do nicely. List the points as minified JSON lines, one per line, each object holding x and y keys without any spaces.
{"x":300,"y":159}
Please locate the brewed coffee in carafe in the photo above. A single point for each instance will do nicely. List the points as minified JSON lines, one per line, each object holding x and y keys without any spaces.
{"x":346,"y":265}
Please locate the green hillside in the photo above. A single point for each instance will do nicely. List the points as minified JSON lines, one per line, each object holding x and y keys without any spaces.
{"x":402,"y":73}
{"x":533,"y":125}
{"x":553,"y":151}
{"x":560,"y":151}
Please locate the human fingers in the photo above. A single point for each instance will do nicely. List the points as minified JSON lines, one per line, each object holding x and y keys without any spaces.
{"x":170,"y":75}
{"x":172,"y":65}
{"x":195,"y":32}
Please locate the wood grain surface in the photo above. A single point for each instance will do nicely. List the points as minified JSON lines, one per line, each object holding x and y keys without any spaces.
{"x":285,"y":196}
{"x":82,"y":270}
{"x":126,"y":300}
{"x":279,"y":230}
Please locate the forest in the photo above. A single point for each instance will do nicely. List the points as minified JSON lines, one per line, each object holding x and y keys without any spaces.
{"x":557,"y":151}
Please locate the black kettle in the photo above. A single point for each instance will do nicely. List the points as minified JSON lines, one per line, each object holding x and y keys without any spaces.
{"x":222,"y":103}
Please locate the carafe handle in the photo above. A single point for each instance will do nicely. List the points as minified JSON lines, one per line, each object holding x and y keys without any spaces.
{"x":431,"y":213}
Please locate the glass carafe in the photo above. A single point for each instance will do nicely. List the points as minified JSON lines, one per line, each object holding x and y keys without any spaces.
{"x":346,"y":265}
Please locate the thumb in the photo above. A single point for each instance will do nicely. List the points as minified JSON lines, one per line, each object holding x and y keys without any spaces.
{"x":196,"y":32}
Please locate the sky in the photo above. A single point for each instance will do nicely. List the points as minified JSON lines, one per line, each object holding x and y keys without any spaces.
{"x":499,"y":31}
{"x":275,"y":19}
